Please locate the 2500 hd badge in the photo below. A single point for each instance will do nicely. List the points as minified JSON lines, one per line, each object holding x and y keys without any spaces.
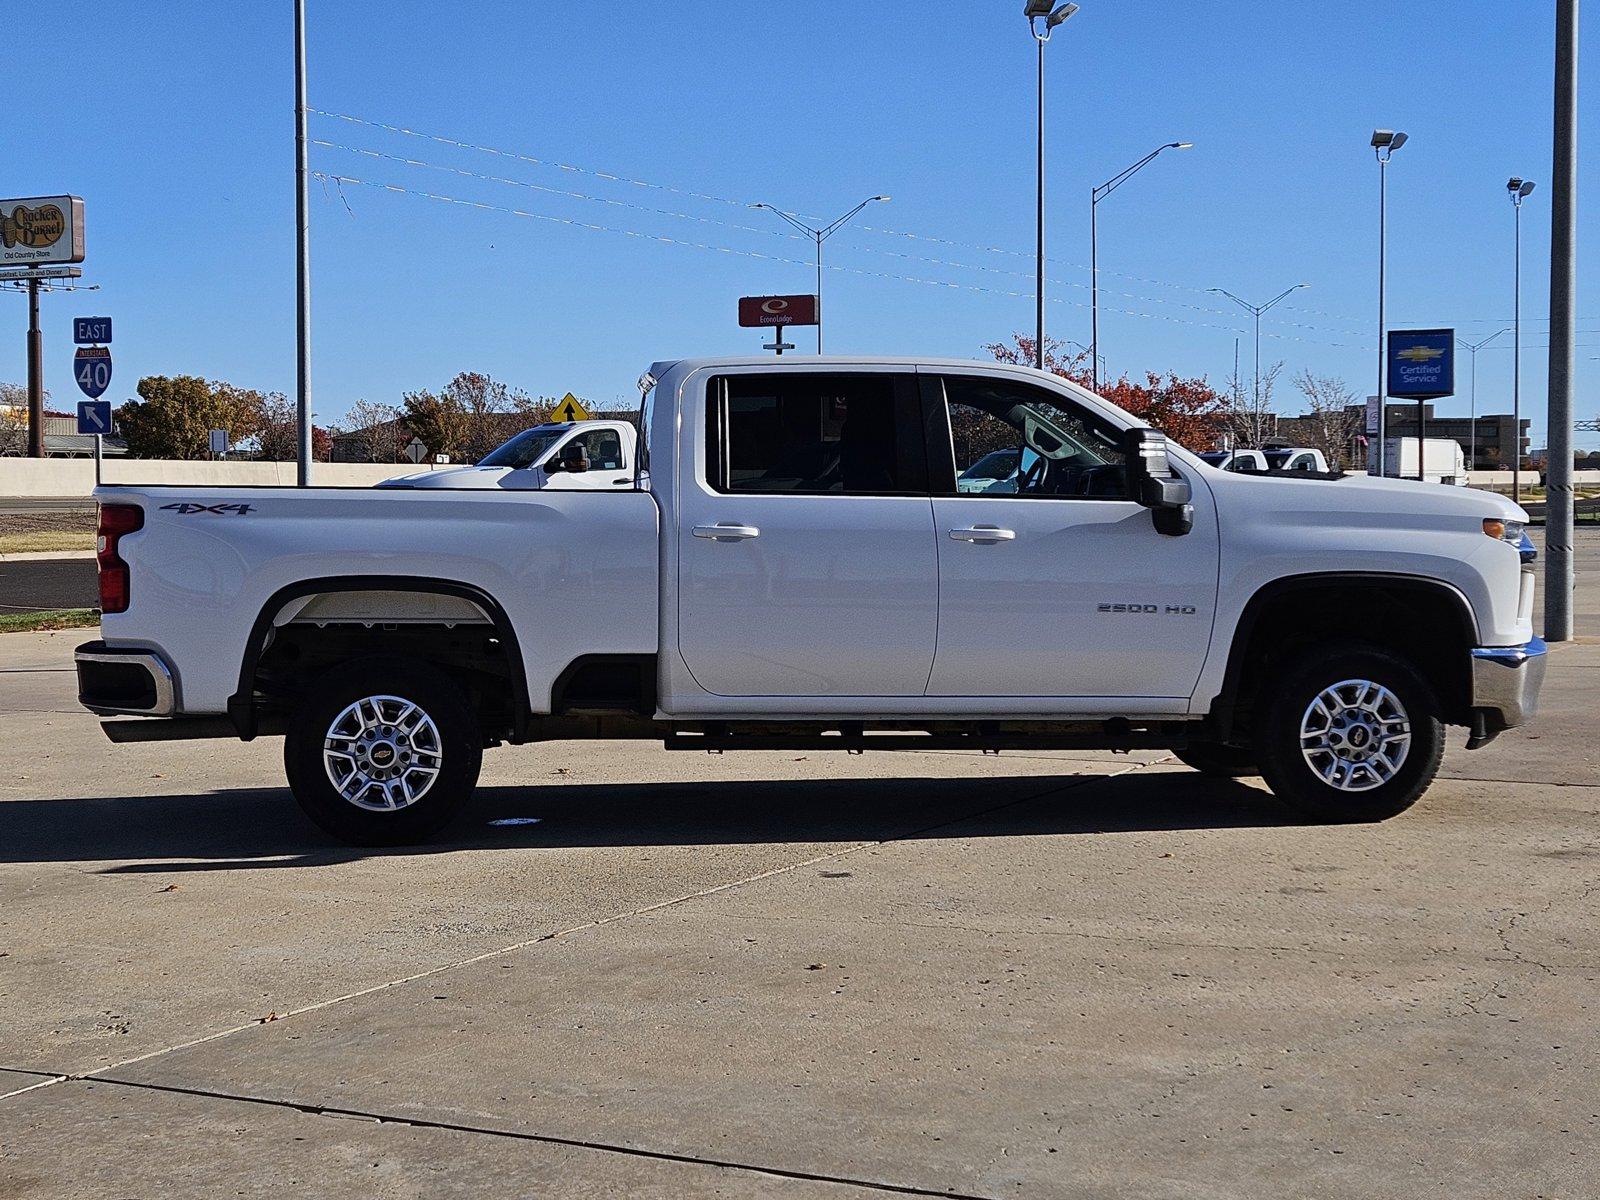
{"x":1172,"y":610}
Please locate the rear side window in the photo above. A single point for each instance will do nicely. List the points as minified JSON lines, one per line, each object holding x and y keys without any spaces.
{"x":814,"y":433}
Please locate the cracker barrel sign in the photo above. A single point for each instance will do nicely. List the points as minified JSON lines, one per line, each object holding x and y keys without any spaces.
{"x":41,"y":231}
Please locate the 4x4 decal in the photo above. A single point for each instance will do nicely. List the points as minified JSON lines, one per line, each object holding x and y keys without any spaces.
{"x":186,"y":508}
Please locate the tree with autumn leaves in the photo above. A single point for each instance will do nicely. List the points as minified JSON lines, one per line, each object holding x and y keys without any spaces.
{"x":1189,"y":411}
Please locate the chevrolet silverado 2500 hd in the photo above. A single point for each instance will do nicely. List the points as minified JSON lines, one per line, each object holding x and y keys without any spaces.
{"x":793,"y":564}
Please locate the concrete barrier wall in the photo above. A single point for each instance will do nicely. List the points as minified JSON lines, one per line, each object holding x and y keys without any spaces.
{"x":57,"y":477}
{"x":1502,"y":479}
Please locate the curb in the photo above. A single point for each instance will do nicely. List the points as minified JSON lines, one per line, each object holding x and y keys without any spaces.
{"x":47,"y":556}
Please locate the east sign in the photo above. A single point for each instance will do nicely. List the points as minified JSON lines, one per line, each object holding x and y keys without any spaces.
{"x":1422,"y":363}
{"x":41,"y":230}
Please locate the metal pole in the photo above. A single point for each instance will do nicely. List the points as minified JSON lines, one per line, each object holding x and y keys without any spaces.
{"x":1094,"y":290}
{"x":1472,"y":425}
{"x":35,"y":375}
{"x":97,"y":440}
{"x":1258,"y":374}
{"x":1383,"y":245}
{"x":1038,"y":298}
{"x":819,"y":293}
{"x":302,"y":252}
{"x":1516,"y":356}
{"x":1563,"y":299}
{"x":1422,"y":441}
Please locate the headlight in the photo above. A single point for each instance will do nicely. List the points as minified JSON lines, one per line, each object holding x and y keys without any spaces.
{"x":1505,"y":530}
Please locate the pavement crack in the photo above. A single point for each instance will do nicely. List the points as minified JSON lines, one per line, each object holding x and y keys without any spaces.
{"x":547,"y":1139}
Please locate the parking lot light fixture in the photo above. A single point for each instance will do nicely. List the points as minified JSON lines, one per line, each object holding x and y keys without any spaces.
{"x":1517,"y":188}
{"x":1384,"y":143}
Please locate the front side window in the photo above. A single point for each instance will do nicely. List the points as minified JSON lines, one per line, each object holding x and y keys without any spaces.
{"x":814,"y":433}
{"x":1054,"y":448}
{"x":604,"y":448}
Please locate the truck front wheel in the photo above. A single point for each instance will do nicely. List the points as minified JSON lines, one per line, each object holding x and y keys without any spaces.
{"x":1351,"y":733}
{"x":382,"y":751}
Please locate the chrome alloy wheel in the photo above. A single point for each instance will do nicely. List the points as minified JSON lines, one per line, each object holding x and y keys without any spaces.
{"x":1355,"y":735}
{"x":382,"y":753}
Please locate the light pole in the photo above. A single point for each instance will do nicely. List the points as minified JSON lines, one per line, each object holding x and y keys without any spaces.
{"x":1518,"y":190}
{"x":1384,"y":143}
{"x":302,"y":262}
{"x":1036,"y":11}
{"x":1256,"y":310}
{"x":819,"y":235}
{"x":1095,"y":196}
{"x":1472,"y":428}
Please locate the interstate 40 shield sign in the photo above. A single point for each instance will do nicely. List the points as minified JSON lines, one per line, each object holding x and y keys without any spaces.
{"x":91,"y":367}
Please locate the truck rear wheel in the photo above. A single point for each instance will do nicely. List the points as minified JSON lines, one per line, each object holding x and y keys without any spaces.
{"x":1220,"y":760}
{"x":1349,"y":734}
{"x":382,"y":751}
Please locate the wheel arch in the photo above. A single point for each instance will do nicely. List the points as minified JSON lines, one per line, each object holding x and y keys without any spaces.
{"x":1282,"y":603}
{"x":242,"y":708}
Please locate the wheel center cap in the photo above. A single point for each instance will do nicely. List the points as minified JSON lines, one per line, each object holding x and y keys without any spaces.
{"x":382,"y":754}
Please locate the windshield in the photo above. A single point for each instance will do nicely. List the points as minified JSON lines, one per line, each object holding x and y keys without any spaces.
{"x":1001,"y":464}
{"x":525,"y":449}
{"x":1215,"y":457}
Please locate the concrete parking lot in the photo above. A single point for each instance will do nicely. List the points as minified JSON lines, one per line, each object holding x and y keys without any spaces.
{"x":1055,"y":974}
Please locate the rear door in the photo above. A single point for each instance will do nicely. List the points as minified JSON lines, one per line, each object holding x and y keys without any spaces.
{"x":1062,"y":588}
{"x":807,"y":560}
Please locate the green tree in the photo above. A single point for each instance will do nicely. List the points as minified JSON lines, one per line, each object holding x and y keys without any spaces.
{"x":437,"y":420}
{"x":174,"y":415}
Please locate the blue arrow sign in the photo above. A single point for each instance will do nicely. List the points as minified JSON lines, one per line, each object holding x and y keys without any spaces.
{"x":94,"y":416}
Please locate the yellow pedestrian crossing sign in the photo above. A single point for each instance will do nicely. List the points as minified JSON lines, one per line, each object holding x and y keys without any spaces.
{"x":570,"y":410}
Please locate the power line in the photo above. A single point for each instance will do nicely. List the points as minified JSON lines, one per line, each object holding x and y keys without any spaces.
{"x":340,"y":180}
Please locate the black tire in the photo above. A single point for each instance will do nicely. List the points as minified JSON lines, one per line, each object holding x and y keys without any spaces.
{"x":1411,"y":706}
{"x":452,"y":747}
{"x":1219,"y":760}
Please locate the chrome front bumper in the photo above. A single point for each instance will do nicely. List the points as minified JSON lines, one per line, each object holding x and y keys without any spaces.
{"x":1506,"y":681}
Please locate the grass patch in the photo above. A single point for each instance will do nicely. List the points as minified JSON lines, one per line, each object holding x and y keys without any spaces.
{"x":37,"y":541}
{"x":50,"y":618}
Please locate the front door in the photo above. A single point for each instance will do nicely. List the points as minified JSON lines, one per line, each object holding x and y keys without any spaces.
{"x":1060,"y":586}
{"x":807,"y":563}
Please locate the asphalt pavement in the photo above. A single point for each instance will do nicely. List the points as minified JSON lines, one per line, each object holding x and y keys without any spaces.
{"x":33,"y":585}
{"x":633,"y":972}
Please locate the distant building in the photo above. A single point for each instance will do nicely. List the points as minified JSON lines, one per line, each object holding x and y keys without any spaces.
{"x":1493,"y":443}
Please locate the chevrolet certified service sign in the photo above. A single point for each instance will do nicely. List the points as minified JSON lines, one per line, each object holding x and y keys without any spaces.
{"x":1422,"y":363}
{"x":41,"y":231}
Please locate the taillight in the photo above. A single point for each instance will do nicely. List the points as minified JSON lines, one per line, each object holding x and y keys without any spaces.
{"x":115,"y":520}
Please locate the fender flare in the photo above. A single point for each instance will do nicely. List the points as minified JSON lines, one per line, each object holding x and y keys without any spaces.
{"x":241,"y":705}
{"x":1225,"y":704}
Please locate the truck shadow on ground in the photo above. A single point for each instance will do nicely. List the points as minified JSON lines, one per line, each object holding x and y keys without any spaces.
{"x":248,"y":828}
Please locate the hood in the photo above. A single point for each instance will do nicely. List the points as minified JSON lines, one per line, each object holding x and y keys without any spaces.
{"x":1411,"y":495}
{"x":450,"y":477}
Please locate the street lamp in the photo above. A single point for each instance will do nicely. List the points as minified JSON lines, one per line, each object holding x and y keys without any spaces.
{"x":1256,"y":310}
{"x":1518,"y":190}
{"x":1384,"y":143}
{"x":1036,"y":11}
{"x":1472,"y":432}
{"x":1095,"y":196}
{"x":820,"y":235}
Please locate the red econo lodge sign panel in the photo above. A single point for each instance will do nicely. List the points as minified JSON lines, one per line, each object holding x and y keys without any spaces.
{"x":777,"y":310}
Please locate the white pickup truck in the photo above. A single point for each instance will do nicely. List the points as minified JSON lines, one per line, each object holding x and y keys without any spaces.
{"x":794,"y":566}
{"x":569,"y":455}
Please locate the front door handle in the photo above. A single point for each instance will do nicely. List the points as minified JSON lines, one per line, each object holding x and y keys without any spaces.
{"x":984,"y":534}
{"x":724,"y":531}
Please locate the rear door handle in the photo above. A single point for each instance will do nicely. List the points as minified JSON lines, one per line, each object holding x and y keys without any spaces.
{"x":727,"y":532}
{"x":987,"y":534}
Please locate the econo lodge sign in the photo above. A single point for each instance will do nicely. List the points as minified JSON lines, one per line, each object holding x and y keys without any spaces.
{"x":757,"y":311}
{"x":41,"y":230}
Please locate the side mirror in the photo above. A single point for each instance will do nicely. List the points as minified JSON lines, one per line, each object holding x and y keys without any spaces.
{"x":573,"y":458}
{"x":1153,"y":483}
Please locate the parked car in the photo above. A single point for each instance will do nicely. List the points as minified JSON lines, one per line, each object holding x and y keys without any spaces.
{"x":1236,"y":460}
{"x":794,"y":565}
{"x":1295,"y":458}
{"x":575,"y":455}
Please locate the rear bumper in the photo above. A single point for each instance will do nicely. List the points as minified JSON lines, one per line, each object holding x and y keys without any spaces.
{"x":125,"y":681}
{"x":1506,"y":682}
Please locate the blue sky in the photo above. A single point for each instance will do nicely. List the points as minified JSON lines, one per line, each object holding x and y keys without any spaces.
{"x":175,"y":123}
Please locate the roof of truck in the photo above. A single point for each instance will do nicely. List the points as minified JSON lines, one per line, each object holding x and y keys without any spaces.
{"x":830,"y":360}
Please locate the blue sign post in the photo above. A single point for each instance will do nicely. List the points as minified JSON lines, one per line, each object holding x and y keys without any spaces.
{"x":1422,"y":367}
